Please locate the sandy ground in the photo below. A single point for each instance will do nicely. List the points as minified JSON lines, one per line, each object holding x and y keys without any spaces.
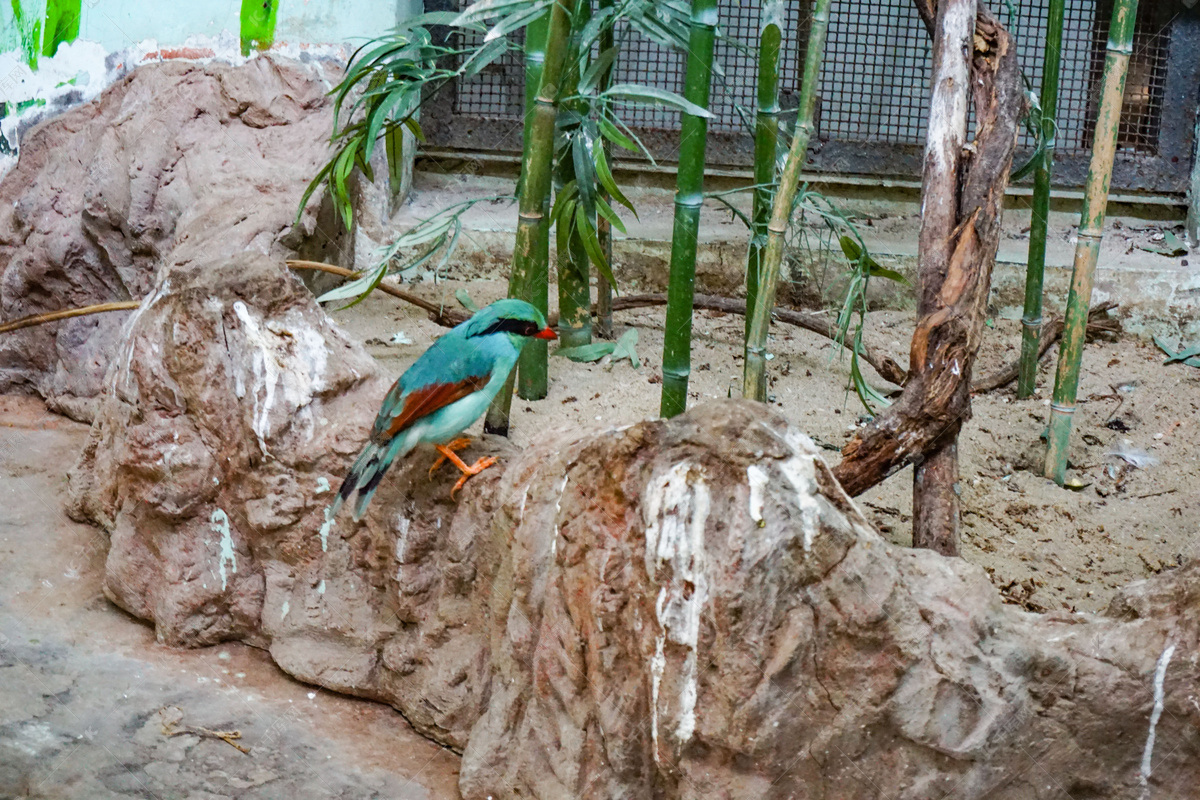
{"x":1045,"y":547}
{"x":85,"y":690}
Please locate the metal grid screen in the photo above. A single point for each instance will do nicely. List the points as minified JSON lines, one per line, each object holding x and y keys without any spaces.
{"x":875,"y":76}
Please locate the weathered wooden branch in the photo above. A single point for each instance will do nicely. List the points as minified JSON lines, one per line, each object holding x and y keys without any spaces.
{"x":1051,"y":332}
{"x":54,"y":316}
{"x":955,"y":276}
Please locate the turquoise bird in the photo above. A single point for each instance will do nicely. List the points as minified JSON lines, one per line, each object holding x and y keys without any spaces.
{"x":442,"y":394}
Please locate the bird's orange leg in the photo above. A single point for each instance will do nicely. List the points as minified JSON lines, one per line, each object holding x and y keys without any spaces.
{"x":457,"y":444}
{"x":476,"y":468}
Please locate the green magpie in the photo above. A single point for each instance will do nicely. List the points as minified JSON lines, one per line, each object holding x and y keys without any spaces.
{"x":442,"y":394}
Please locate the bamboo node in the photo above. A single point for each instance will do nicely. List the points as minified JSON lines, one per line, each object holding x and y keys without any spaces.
{"x":1059,"y":409}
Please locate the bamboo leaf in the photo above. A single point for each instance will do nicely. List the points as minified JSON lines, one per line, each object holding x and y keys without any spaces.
{"x":591,"y":77}
{"x":867,"y":393}
{"x":486,"y":9}
{"x":482,"y":58}
{"x":310,"y":189}
{"x":565,"y":195}
{"x":856,"y":254}
{"x":464,"y":299}
{"x":652,"y":95}
{"x":615,"y":136}
{"x":592,"y":245}
{"x":641,"y":147}
{"x":627,"y":348}
{"x":428,"y":19}
{"x":592,"y":30}
{"x":606,"y":211}
{"x":604,"y":174}
{"x":517,"y":21}
{"x":1189,"y":356}
{"x":562,"y":229}
{"x":355,"y":287}
{"x":585,"y":175}
{"x":588,"y":352}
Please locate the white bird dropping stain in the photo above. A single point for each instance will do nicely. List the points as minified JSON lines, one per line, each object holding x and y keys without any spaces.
{"x":322,"y":485}
{"x":220,"y":524}
{"x":287,"y":606}
{"x":757,"y":476}
{"x":321,"y":587}
{"x":325,"y":528}
{"x":1160,"y":675}
{"x":675,"y":515}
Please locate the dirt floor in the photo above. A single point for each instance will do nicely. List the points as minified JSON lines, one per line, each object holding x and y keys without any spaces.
{"x":1045,"y":547}
{"x":89,"y":699}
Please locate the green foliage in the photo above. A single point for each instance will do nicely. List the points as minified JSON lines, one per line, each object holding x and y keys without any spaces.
{"x":1189,"y":355}
{"x":425,"y":240}
{"x":625,"y":347}
{"x":384,"y":85}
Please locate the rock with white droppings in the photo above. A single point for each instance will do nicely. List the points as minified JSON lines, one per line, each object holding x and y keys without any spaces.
{"x":97,"y":204}
{"x":205,"y":452}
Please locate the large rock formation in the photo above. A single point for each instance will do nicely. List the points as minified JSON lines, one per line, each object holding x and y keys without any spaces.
{"x":688,"y":608}
{"x":173,"y":162}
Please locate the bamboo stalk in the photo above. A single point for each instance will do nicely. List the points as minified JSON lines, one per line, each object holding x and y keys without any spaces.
{"x":545,"y":50}
{"x":574,"y":289}
{"x":1031,"y":320}
{"x":603,"y":319}
{"x":754,"y":382}
{"x":1091,"y":226}
{"x":766,"y":141}
{"x":689,"y":197}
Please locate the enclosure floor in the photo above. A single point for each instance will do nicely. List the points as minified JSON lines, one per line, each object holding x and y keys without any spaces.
{"x":1044,"y":547}
{"x":85,"y":688}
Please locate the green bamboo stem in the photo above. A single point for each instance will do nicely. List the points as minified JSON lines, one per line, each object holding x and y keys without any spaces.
{"x":574,"y":290}
{"x":766,"y":142}
{"x":603,"y":321}
{"x":754,"y":382}
{"x":1031,"y":320}
{"x":1091,"y":226}
{"x":689,"y":197}
{"x":545,"y":51}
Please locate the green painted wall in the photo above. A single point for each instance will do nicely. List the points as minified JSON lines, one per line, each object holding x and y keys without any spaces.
{"x":35,"y":28}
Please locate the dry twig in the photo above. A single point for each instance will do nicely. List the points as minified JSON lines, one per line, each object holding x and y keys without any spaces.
{"x":170,"y":727}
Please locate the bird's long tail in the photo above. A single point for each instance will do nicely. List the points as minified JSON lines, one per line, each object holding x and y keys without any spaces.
{"x":365,"y":475}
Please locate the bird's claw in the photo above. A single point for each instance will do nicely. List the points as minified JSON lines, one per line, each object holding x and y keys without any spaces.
{"x":457,"y":444}
{"x":476,"y":468}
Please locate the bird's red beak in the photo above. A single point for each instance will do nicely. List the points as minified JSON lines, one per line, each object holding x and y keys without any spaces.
{"x":546,"y":333}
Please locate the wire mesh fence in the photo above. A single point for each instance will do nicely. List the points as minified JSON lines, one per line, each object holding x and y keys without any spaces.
{"x":874,"y":81}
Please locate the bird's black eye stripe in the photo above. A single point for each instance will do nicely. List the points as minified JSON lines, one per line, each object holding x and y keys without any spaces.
{"x":521,"y":327}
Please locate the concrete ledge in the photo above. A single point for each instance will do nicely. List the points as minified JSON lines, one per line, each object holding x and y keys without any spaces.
{"x":1158,"y":294}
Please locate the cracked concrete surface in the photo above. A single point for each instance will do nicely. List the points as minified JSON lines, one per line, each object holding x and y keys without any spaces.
{"x":85,"y":689}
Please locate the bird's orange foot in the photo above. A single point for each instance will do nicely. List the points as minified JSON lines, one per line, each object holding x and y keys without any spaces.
{"x":476,"y":468}
{"x":457,"y":444}
{"x":448,"y":454}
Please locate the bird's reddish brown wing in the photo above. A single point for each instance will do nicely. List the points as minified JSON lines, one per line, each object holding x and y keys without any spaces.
{"x":425,"y":401}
